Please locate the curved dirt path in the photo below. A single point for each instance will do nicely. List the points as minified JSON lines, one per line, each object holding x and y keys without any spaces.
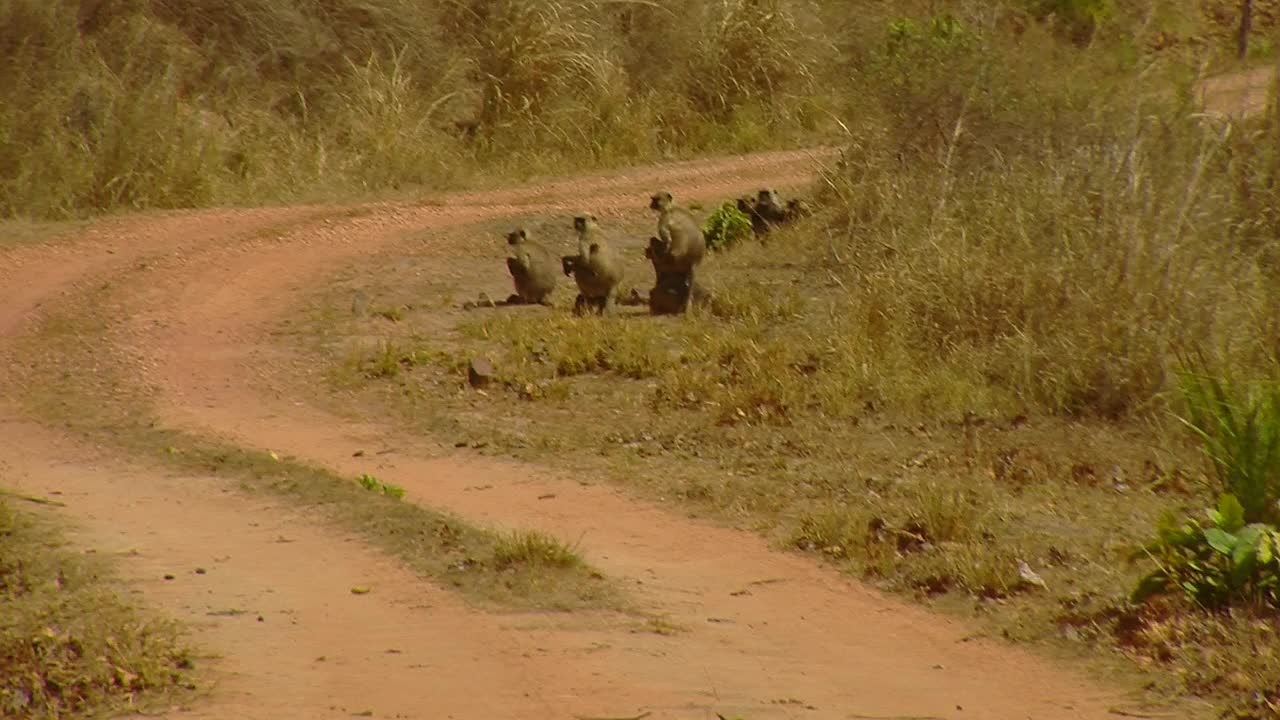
{"x":763,"y":628}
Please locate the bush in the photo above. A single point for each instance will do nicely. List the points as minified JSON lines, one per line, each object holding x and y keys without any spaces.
{"x":1240,"y":433}
{"x":1225,"y":563}
{"x":1236,"y":557}
{"x":726,"y":227}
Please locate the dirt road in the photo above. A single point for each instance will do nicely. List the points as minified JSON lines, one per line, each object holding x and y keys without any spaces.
{"x":766,"y":634}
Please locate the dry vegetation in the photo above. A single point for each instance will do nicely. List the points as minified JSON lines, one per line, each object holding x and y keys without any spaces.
{"x":963,"y":368}
{"x":160,"y":103}
{"x":960,"y":379}
{"x":70,"y":644}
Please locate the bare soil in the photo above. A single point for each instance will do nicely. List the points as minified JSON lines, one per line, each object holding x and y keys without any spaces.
{"x":757,"y":633}
{"x":1239,"y":94}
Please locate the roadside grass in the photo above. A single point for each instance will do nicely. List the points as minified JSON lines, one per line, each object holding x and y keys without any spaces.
{"x":957,"y":380}
{"x":127,"y":106}
{"x":726,"y":413}
{"x":72,"y":383}
{"x":71,"y":644}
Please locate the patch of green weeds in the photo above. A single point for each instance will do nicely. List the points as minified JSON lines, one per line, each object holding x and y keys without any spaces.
{"x":373,"y":484}
{"x":726,"y":227}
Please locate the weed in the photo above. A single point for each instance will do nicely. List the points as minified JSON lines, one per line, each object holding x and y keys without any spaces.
{"x":389,"y":358}
{"x":533,"y":549}
{"x":726,"y":227}
{"x":1239,"y":430}
{"x":1236,"y":557}
{"x":373,"y":484}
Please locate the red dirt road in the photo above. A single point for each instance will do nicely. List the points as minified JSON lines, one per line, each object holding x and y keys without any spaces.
{"x":195,"y":323}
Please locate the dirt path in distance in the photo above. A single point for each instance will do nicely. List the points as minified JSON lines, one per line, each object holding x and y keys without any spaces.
{"x":764,"y":634}
{"x":1238,"y":94}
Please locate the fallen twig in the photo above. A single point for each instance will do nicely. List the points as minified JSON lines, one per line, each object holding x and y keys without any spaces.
{"x":32,"y":498}
{"x":641,"y":716}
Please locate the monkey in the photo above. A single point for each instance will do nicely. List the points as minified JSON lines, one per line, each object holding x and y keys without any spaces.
{"x":673,"y":292}
{"x":678,"y":248}
{"x":532,"y":269}
{"x":768,"y":208}
{"x":681,"y":244}
{"x":595,"y":268}
{"x":747,"y":206}
{"x":767,"y":212}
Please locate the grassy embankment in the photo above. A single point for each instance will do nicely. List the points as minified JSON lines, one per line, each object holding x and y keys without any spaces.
{"x":967,"y":362}
{"x":71,"y":645}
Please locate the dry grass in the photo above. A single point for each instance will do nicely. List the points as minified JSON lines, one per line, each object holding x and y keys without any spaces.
{"x":258,"y":99}
{"x":163,"y":104}
{"x":70,"y":644}
{"x":960,"y":370}
{"x":961,"y":366}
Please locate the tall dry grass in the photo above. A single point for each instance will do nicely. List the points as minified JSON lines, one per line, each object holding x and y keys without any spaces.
{"x":154,"y":103}
{"x":1012,"y":238}
{"x":158,"y":103}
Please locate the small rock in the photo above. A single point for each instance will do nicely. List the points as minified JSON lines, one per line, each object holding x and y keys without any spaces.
{"x":1030,"y":576}
{"x":480,"y":372}
{"x":168,"y":576}
{"x":360,"y":304}
{"x":200,"y":571}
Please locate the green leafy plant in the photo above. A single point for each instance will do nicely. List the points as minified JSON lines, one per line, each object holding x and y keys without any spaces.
{"x":1214,"y":566}
{"x":726,"y":227}
{"x":1237,"y":555}
{"x":373,"y":484}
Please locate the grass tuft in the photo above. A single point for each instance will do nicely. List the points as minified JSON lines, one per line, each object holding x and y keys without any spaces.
{"x":533,"y":549}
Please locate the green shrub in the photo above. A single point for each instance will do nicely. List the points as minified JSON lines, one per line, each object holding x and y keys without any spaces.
{"x":726,"y":227}
{"x":1214,"y":566}
{"x":1236,"y":557}
{"x":373,"y":484}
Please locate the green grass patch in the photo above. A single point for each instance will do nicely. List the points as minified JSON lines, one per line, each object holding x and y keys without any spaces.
{"x":373,"y":484}
{"x":72,"y":646}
